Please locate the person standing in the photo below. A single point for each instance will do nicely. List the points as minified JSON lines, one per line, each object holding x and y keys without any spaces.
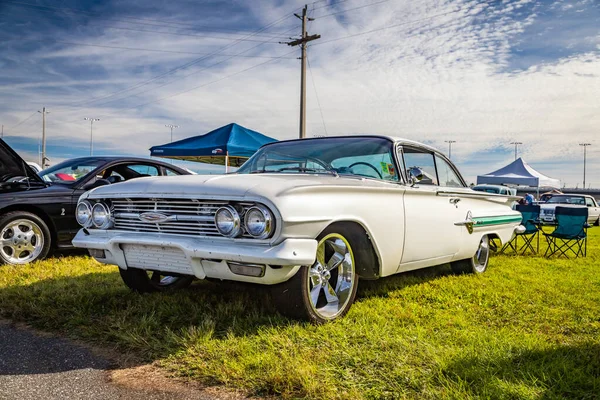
{"x":529,"y":198}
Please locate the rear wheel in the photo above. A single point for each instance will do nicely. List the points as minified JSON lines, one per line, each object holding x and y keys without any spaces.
{"x":24,"y":238}
{"x":325,"y":290}
{"x":476,"y":264}
{"x":143,"y":281}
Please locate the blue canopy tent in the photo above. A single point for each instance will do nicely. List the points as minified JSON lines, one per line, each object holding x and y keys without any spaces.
{"x":230,"y":145}
{"x":518,"y":173}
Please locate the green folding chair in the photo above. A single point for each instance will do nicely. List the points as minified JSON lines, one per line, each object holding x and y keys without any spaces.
{"x":570,"y":234}
{"x":531,"y":222}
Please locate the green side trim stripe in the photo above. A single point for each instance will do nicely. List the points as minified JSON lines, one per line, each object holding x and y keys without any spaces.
{"x":505,"y":219}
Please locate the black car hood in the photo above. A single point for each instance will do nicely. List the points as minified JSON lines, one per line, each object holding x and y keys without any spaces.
{"x":12,"y":165}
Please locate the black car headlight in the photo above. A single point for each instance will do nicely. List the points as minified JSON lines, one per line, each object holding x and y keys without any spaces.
{"x":83,"y":214}
{"x":101,"y":216}
{"x":258,"y":222}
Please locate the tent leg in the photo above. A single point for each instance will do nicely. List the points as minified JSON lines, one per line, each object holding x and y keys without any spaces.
{"x":227,"y":162}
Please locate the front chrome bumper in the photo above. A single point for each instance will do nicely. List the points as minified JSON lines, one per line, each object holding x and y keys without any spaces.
{"x":199,"y":257}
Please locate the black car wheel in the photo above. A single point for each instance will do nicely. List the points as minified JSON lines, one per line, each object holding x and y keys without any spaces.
{"x":24,"y":238}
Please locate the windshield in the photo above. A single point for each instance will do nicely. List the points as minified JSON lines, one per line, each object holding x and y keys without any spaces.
{"x":357,"y":156}
{"x":578,"y":200}
{"x":70,"y":171}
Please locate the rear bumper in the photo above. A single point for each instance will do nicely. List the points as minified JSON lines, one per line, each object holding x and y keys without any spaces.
{"x":199,"y":257}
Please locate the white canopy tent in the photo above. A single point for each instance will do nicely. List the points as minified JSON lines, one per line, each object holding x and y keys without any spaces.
{"x":518,"y":173}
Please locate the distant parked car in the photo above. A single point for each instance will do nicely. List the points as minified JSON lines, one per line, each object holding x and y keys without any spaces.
{"x":37,"y":212}
{"x":498,"y":189}
{"x":307,"y":218}
{"x":571,"y":200}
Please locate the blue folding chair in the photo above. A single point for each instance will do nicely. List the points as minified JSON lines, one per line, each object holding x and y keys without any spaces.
{"x":570,"y":234}
{"x":531,"y":222}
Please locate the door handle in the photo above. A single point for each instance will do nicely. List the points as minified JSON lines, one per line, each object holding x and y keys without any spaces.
{"x":454,"y":200}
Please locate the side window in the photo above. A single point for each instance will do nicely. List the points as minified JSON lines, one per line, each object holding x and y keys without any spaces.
{"x":170,"y":172}
{"x":447,"y":176}
{"x":420,"y":162}
{"x":142,"y":169}
{"x":589,"y":202}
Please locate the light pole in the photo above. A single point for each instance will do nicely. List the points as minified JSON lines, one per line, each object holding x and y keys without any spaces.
{"x":172,"y":127}
{"x":585,"y":145}
{"x":450,"y":147}
{"x":91,"y":132}
{"x":516,"y":146}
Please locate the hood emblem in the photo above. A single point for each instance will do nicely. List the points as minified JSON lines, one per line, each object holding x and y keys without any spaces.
{"x":154,"y":217}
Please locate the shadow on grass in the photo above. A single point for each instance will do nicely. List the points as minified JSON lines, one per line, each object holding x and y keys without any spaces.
{"x":98,"y":308}
{"x":571,"y":371}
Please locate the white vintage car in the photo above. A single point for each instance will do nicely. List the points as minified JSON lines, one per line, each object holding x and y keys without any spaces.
{"x":570,"y":200}
{"x":307,"y":217}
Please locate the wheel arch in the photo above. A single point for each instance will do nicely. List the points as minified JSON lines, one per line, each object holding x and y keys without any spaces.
{"x":40,"y":213}
{"x":368,"y":260}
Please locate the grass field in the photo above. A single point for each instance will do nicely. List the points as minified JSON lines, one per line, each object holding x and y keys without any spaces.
{"x":528,"y":328}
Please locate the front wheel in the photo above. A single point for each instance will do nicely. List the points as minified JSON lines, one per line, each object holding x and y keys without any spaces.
{"x":325,"y":290}
{"x":142,"y":281}
{"x":476,"y":264}
{"x":24,"y":238}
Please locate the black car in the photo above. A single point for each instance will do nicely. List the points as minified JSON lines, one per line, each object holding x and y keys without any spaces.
{"x":37,"y":212}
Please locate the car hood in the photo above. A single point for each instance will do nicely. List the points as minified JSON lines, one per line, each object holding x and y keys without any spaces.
{"x":552,"y":206}
{"x":227,"y":186}
{"x":12,"y":165}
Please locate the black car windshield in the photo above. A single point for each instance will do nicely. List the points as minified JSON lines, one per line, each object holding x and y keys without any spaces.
{"x":562,"y":199}
{"x":359,"y":156}
{"x":70,"y":171}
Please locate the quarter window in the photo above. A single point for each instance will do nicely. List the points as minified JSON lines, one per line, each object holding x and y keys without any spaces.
{"x":589,"y":202}
{"x":447,"y":176}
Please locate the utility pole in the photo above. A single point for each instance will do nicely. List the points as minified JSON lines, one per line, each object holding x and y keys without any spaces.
{"x":585,"y":145}
{"x":44,"y":158}
{"x":91,"y":132}
{"x":172,"y":126}
{"x":302,"y":42}
{"x":516,"y":145}
{"x":450,"y":148}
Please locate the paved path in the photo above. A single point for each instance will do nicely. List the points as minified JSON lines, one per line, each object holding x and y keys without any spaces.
{"x":40,"y":367}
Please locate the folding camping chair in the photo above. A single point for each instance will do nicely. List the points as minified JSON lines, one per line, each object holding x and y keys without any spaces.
{"x":570,"y":234}
{"x":531,"y":222}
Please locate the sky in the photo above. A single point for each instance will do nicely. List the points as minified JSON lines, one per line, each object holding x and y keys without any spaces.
{"x":481,"y":73}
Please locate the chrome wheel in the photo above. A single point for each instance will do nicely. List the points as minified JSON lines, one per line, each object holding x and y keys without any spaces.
{"x":331,"y":279}
{"x":482,"y":255}
{"x":21,"y":241}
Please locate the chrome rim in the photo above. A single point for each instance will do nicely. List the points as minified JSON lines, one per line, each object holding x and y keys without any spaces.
{"x":159,"y":280}
{"x":21,"y":241}
{"x":331,"y":278}
{"x":480,"y":258}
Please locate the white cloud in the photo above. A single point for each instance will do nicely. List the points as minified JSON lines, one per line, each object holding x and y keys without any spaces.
{"x":447,"y":76}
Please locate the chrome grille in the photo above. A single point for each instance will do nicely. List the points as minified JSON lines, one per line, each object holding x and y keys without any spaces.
{"x":186,"y":217}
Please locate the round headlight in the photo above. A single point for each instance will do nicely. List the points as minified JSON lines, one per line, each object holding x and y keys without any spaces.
{"x":83,"y":214}
{"x":101,"y":218}
{"x":258,"y":222}
{"x":228,"y":222}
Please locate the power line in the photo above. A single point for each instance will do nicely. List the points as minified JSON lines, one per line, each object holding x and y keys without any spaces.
{"x":185,"y":76}
{"x":385,"y":27}
{"x":22,"y":121}
{"x":211,"y":82}
{"x":351,"y":9}
{"x":127,"y":19}
{"x":193,"y":35}
{"x":154,"y":50}
{"x":316,"y":93}
{"x":186,"y":65}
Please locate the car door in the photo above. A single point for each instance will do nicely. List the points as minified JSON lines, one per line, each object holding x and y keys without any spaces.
{"x":593,"y":210}
{"x":431,"y":236}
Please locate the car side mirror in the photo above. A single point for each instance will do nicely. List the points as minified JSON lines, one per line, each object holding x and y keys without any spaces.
{"x":415,"y":174}
{"x":96,"y":183}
